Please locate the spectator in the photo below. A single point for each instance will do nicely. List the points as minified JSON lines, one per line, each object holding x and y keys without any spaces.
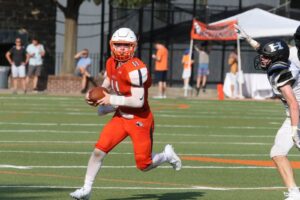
{"x":233,"y":65}
{"x":187,"y":71}
{"x":161,"y":69}
{"x":17,"y":58}
{"x":35,"y":53}
{"x":83,"y":69}
{"x":203,"y":70}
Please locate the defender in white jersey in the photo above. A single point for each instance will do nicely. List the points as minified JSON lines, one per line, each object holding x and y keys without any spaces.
{"x":284,"y":79}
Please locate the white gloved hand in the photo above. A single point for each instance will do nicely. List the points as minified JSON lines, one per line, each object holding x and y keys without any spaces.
{"x":296,"y":136}
{"x":243,"y":35}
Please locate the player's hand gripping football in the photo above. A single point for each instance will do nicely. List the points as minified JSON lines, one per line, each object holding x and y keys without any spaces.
{"x":89,"y":101}
{"x":296,"y":136}
{"x":105,"y":100}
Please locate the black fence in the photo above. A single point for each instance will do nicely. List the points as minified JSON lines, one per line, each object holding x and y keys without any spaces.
{"x":171,"y":24}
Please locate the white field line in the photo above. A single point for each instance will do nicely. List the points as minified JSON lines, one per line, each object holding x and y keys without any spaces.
{"x":157,"y":125}
{"x":148,"y":188}
{"x":81,"y":108}
{"x":130,"y":153}
{"x":50,"y":113}
{"x":156,"y":133}
{"x":156,"y":115}
{"x":7,"y":166}
{"x":41,"y":98}
{"x":157,"y":142}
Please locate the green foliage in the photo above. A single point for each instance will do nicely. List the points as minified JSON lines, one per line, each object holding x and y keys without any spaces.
{"x":97,"y":2}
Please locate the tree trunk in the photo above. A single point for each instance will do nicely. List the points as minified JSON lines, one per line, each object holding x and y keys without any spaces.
{"x":70,"y":46}
{"x":71,"y":12}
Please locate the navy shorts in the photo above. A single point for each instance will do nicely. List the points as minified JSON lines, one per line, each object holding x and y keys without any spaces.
{"x":161,"y":76}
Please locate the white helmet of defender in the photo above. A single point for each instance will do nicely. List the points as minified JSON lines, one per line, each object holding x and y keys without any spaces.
{"x":123,"y":36}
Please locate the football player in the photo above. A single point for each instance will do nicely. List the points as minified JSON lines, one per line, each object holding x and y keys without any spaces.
{"x":130,"y":80}
{"x":285,"y":81}
{"x":297,"y":40}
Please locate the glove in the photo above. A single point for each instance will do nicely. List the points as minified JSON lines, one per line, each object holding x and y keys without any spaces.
{"x":296,"y":136}
{"x":243,"y":35}
{"x":105,"y":109}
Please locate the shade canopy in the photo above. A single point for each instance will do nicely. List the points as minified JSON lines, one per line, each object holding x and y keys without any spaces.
{"x":259,"y":23}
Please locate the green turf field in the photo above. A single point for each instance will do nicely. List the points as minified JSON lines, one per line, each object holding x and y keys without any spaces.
{"x":46,"y":141}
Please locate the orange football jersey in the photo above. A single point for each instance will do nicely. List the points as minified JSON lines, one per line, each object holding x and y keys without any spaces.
{"x":133,"y":73}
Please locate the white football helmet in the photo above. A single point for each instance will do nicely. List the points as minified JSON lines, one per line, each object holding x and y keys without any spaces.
{"x":123,"y":36}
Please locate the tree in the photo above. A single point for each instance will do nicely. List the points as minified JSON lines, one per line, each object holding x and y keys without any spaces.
{"x":71,"y":12}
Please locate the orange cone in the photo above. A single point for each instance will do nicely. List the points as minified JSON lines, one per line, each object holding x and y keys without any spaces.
{"x":220,"y":92}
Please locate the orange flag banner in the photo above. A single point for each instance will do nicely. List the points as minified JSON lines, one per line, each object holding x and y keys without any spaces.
{"x":220,"y":31}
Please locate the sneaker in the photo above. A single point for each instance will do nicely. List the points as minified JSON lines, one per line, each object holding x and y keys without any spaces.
{"x":197,"y":90}
{"x":204,"y":88}
{"x":293,"y":195}
{"x":83,"y":91}
{"x":157,"y":97}
{"x":81,"y":194}
{"x":172,"y":157}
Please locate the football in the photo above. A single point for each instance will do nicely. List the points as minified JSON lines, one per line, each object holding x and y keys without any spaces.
{"x":95,"y":94}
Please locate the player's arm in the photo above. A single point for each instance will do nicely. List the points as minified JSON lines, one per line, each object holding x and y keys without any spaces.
{"x":291,"y":100}
{"x":136,"y":100}
{"x":242,"y":34}
{"x":284,"y":82}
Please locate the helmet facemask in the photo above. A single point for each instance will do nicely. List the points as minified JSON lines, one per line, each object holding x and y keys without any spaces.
{"x":123,"y":44}
{"x":122,"y":51}
{"x":262,"y":62}
{"x":271,"y":52}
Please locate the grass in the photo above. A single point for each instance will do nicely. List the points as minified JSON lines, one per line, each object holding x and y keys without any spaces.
{"x":52,"y":138}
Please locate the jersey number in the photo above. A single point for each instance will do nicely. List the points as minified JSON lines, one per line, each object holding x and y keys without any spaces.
{"x":115,"y":86}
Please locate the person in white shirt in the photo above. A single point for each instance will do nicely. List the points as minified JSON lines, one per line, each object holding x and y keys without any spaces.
{"x":35,"y":52}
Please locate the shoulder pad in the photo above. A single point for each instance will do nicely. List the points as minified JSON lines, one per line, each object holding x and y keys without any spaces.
{"x":135,"y":63}
{"x":277,"y":67}
{"x":138,"y":77}
{"x":282,"y":74}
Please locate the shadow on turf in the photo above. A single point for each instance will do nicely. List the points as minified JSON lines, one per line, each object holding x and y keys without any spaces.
{"x":25,"y":193}
{"x":166,"y":196}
